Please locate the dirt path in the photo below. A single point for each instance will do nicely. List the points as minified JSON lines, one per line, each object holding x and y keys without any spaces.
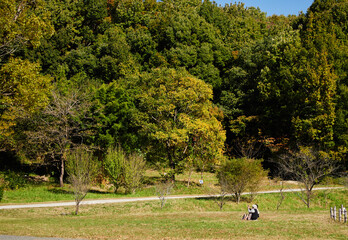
{"x":124,"y":200}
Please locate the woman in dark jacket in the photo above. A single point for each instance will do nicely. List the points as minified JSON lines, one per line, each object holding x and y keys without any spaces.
{"x":253,"y":213}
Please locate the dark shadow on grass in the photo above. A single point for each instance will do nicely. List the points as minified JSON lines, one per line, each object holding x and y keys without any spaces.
{"x":244,"y":199}
{"x":155,"y":180}
{"x":60,"y":191}
{"x":37,"y":180}
{"x":192,"y":184}
{"x":212,"y":198}
{"x":65,"y":191}
{"x":151,"y":180}
{"x":100,"y":192}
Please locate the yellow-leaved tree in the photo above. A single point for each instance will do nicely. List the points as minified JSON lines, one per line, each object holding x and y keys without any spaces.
{"x":22,"y":22}
{"x":23,"y":91}
{"x":178,"y":117}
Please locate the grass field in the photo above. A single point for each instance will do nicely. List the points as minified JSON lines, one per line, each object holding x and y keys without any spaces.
{"x":179,"y":219}
{"x":48,"y":191}
{"x":184,"y":219}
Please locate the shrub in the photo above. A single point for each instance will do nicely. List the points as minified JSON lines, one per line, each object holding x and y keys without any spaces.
{"x":163,"y":190}
{"x":15,"y":180}
{"x":124,"y":170}
{"x":113,"y":165}
{"x":237,"y":175}
{"x":133,"y":171}
{"x":82,"y":169}
{"x":2,"y":187}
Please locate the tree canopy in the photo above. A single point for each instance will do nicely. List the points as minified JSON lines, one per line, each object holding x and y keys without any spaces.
{"x":176,"y":80}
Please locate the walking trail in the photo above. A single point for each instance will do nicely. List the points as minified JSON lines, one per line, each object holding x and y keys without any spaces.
{"x":125,"y":200}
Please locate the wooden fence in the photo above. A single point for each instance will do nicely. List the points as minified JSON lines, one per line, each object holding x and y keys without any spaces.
{"x":342,"y":214}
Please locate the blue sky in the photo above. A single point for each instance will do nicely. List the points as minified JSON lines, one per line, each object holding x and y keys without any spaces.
{"x":278,"y":7}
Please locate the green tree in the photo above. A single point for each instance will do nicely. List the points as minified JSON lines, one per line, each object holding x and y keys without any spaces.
{"x":94,"y":12}
{"x":115,"y":113}
{"x":128,"y":13}
{"x":238,"y":175}
{"x":114,"y":55}
{"x":260,"y":95}
{"x":281,"y":90}
{"x":68,"y":22}
{"x":244,"y":25}
{"x":315,"y":122}
{"x":324,"y":32}
{"x":141,"y":44}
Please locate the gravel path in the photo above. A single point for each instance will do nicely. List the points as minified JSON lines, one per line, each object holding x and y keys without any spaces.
{"x":124,"y":200}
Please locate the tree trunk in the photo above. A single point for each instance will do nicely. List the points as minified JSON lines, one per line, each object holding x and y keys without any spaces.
{"x":309,"y":193}
{"x":77,"y":207}
{"x":173,"y":176}
{"x":61,"y":177}
{"x":172,"y":166}
{"x":202,"y":171}
{"x":282,"y":196}
{"x":189,"y":177}
{"x":238,"y":197}
{"x":308,"y":201}
{"x":171,"y":161}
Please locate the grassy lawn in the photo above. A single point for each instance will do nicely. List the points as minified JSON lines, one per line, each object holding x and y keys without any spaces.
{"x":184,"y":219}
{"x":47,"y":192}
{"x":179,"y":219}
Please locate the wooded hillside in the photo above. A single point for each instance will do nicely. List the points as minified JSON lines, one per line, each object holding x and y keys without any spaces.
{"x":181,"y":82}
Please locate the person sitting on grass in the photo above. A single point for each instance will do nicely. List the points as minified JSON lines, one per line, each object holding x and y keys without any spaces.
{"x":253,"y":213}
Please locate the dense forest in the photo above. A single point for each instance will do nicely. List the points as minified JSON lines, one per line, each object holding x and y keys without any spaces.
{"x":184,"y":83}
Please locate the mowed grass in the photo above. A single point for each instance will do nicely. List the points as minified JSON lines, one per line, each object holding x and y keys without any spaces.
{"x":184,"y":219}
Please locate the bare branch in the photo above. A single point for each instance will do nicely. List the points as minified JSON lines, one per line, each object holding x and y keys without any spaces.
{"x":308,"y":166}
{"x":58,"y":128}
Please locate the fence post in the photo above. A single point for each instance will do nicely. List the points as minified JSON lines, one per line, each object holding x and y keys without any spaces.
{"x":344,"y":215}
{"x":331,"y":212}
{"x":334,"y":213}
{"x":339,"y":214}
